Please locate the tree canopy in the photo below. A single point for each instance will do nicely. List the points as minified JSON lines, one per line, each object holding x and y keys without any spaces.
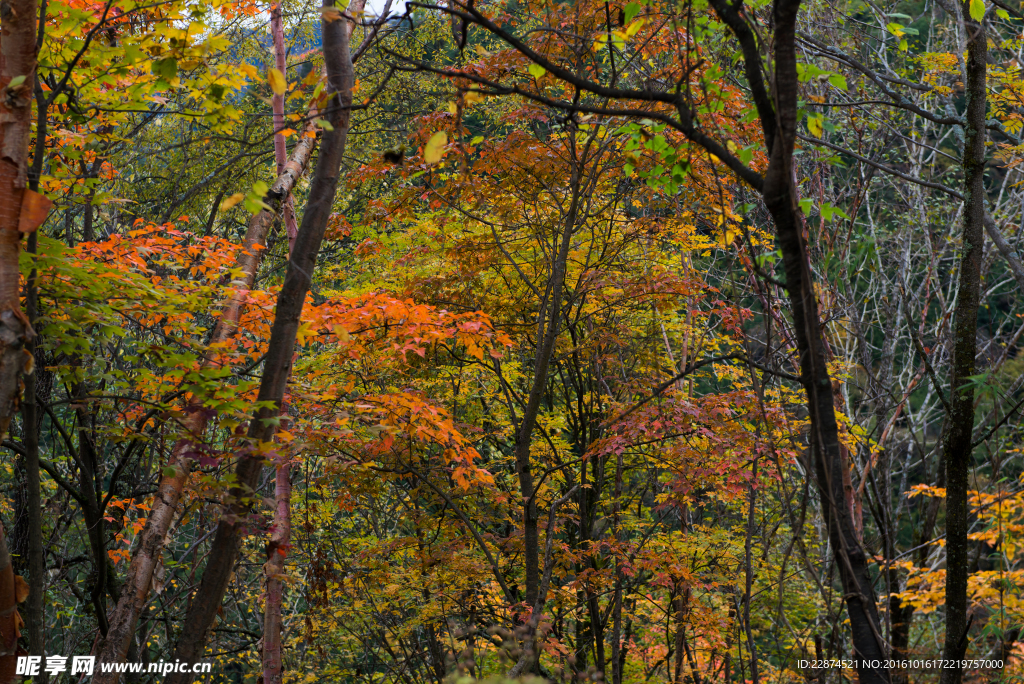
{"x":512,"y":341}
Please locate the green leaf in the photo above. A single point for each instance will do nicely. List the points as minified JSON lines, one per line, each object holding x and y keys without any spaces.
{"x":977,"y":9}
{"x":1002,"y":14}
{"x":806,"y":205}
{"x":324,"y":124}
{"x":632,"y":9}
{"x":536,"y":70}
{"x":165,"y":68}
{"x":827,"y":211}
{"x":838,"y":80}
{"x":254,"y":205}
{"x":15,"y":82}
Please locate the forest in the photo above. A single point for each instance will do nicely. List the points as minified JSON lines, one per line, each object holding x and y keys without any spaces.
{"x":458,"y":341}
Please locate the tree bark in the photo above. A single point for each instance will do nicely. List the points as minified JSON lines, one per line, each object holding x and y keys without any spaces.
{"x":124,"y":619}
{"x":8,"y":615}
{"x":18,"y":21}
{"x":781,"y":199}
{"x":277,"y":363}
{"x":277,"y":104}
{"x":960,"y":426}
{"x":280,"y":535}
{"x":548,"y":323}
{"x":277,"y":551}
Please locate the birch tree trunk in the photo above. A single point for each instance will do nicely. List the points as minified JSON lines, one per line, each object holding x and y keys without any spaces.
{"x":277,"y":103}
{"x":280,"y":535}
{"x":19,"y":206}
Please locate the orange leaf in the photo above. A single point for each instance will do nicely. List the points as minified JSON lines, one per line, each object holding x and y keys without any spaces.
{"x":20,"y":588}
{"x":34,"y":208}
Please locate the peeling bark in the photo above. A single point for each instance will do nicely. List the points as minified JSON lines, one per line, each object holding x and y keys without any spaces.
{"x":18,"y":19}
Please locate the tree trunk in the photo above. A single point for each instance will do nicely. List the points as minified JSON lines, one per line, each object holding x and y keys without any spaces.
{"x":125,"y":617}
{"x":277,"y":103}
{"x":8,"y":615}
{"x":35,"y":618}
{"x":277,"y":363}
{"x":18,"y":20}
{"x":960,"y":427}
{"x":277,"y":551}
{"x":780,"y":196}
{"x":548,"y":323}
{"x":280,"y":534}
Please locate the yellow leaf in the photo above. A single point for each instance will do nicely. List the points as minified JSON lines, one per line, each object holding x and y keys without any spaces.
{"x":728,"y":236}
{"x":473,"y":97}
{"x":434,"y":149}
{"x":276,"y":80}
{"x":232,"y":201}
{"x":814,"y":125}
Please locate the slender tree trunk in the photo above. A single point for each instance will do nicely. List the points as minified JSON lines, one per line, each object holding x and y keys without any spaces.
{"x":280,"y":535}
{"x":748,"y":563}
{"x":35,"y":615}
{"x":277,"y":551}
{"x":35,"y":610}
{"x":8,"y":615}
{"x":135,"y":593}
{"x":549,"y":319}
{"x":280,"y":149}
{"x":780,"y":196}
{"x":18,"y":21}
{"x":960,"y":427}
{"x":617,"y":660}
{"x":277,"y":363}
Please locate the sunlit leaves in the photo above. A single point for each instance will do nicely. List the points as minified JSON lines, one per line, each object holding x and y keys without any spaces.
{"x":977,"y":9}
{"x":434,"y":149}
{"x":277,"y":81}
